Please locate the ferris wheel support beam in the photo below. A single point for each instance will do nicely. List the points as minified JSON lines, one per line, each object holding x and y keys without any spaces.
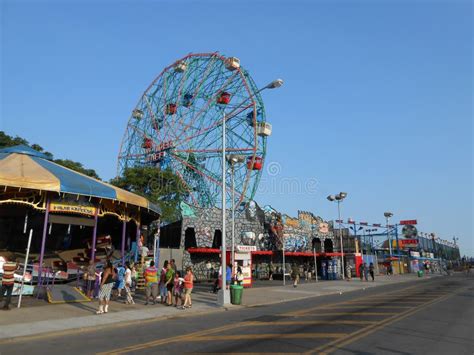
{"x":210,"y":178}
{"x":205,"y":130}
{"x":206,"y":106}
{"x":204,"y":78}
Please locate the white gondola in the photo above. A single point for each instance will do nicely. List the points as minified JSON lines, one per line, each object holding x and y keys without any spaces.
{"x":264,"y":129}
{"x":180,"y":67}
{"x":232,"y":63}
{"x":137,"y":114}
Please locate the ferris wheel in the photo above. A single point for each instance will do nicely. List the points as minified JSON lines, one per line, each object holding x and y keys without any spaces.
{"x":177,"y":125}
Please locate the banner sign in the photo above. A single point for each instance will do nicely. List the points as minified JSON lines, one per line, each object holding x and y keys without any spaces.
{"x":65,"y":208}
{"x":409,"y":221}
{"x":407,"y":243}
{"x":246,"y":248}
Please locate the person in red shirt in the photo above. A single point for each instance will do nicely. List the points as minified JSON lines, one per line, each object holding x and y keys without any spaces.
{"x":8,"y":280}
{"x":188,"y":288}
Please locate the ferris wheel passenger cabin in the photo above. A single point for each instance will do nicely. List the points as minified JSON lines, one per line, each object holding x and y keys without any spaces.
{"x":250,"y":117}
{"x":256,"y":165}
{"x":171,"y":109}
{"x":223,"y":98}
{"x":232,"y":63}
{"x":264,"y":129}
{"x":137,"y":114}
{"x":157,"y":124}
{"x":187,"y":100}
{"x":180,"y":67}
{"x":147,"y":143}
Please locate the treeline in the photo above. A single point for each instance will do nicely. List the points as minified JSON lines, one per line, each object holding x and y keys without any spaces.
{"x":9,"y":141}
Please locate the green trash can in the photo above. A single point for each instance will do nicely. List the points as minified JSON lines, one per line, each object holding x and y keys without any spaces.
{"x":236,"y":294}
{"x":420,"y":273}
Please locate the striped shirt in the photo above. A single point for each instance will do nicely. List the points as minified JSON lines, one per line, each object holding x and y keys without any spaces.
{"x":8,"y":270}
{"x":151,"y":275}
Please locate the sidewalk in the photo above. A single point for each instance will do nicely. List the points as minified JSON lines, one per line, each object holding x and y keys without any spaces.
{"x":37,"y":317}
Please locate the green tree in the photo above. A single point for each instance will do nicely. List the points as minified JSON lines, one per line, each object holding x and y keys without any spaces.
{"x":9,"y":141}
{"x":74,"y":165}
{"x":162,"y":187}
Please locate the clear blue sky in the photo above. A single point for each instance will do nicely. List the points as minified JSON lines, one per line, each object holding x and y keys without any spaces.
{"x":377,"y":98}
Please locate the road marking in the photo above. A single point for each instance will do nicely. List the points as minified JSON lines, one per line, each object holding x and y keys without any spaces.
{"x":368,"y":306}
{"x":269,"y":336}
{"x":349,"y":314}
{"x":311,"y":322}
{"x":337,"y":344}
{"x":388,"y":301}
{"x":382,"y":296}
{"x":186,"y":337}
{"x":109,"y":326}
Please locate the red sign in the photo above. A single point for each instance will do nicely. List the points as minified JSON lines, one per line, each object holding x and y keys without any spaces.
{"x":408,"y":242}
{"x":409,"y":221}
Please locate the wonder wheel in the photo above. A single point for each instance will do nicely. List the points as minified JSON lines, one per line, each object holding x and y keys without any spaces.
{"x":177,"y":125}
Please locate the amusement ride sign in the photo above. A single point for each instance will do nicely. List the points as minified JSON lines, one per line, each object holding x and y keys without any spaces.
{"x":69,"y":208}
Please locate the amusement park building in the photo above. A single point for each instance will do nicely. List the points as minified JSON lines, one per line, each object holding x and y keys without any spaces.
{"x":197,"y":236}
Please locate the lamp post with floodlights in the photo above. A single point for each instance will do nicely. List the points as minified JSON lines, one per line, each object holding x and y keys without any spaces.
{"x":223,"y":297}
{"x":339,"y":198}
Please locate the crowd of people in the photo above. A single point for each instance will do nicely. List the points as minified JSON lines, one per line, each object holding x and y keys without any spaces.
{"x":166,"y":286}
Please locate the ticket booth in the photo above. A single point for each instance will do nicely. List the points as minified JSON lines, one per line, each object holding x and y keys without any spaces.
{"x":243,"y":258}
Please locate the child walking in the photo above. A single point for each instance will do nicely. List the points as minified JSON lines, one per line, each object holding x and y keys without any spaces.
{"x":178,"y":288}
{"x":128,"y":284}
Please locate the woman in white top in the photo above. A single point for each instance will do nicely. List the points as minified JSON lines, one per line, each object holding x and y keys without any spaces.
{"x":128,"y":284}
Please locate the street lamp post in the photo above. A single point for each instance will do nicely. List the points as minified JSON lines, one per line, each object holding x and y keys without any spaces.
{"x":223,"y":296}
{"x":339,"y":198}
{"x":233,"y":159}
{"x":456,"y":249}
{"x":388,"y":215}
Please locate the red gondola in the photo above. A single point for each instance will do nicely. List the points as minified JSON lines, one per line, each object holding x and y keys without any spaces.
{"x":223,"y":98}
{"x":257,"y":163}
{"x":147,"y":143}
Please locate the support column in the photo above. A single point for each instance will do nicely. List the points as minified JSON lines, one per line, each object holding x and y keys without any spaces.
{"x":137,"y":241}
{"x":94,"y":234}
{"x":124,"y":229}
{"x":43,"y":241}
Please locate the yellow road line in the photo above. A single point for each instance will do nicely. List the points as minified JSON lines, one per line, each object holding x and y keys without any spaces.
{"x":388,"y":301}
{"x":186,"y":337}
{"x":349,"y":314}
{"x":368,"y":306}
{"x":311,"y":322}
{"x":336,"y":344}
{"x":382,"y":296}
{"x":56,"y":334}
{"x":269,"y":336}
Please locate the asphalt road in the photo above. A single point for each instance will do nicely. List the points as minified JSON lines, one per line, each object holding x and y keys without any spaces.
{"x":425,"y":316}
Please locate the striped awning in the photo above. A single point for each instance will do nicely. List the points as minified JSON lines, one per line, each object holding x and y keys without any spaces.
{"x":24,"y":167}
